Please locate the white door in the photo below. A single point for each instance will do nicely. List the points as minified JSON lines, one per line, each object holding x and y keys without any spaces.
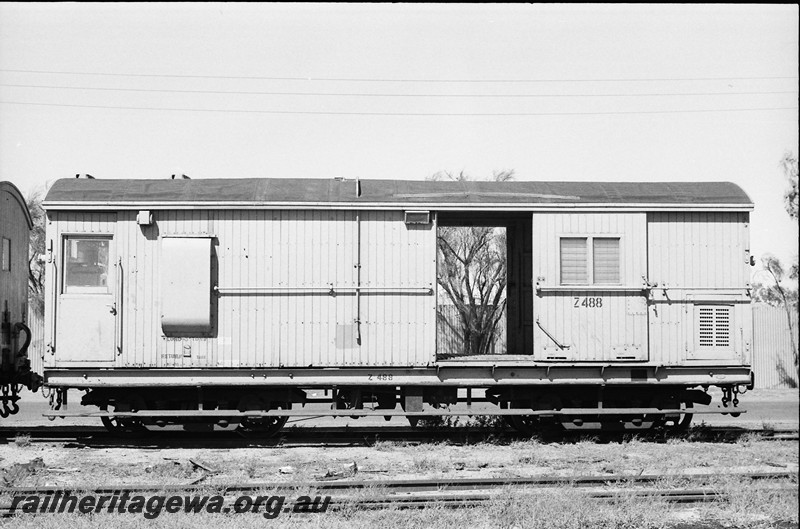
{"x":87,"y":310}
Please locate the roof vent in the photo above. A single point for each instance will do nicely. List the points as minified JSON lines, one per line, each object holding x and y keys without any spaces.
{"x":88,"y":176}
{"x":179,"y":176}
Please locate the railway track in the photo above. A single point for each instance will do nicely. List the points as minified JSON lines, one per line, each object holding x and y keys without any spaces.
{"x":360,"y":436}
{"x":451,"y":493}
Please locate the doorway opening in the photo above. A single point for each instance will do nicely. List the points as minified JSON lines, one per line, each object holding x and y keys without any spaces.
{"x":484,"y":276}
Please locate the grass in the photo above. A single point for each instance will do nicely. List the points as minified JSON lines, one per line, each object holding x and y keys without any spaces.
{"x":556,"y":508}
{"x":751,"y":503}
{"x":427,"y":465}
{"x":390,"y":446}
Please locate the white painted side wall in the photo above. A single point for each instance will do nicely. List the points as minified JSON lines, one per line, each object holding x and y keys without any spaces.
{"x":616,"y":329}
{"x":294,"y":250}
{"x":700,"y":257}
{"x":703,"y":260}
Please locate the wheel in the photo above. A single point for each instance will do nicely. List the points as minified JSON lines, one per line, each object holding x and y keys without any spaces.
{"x":636,"y":422}
{"x":524,"y":424}
{"x":266,"y":426}
{"x":124,"y":425}
{"x":534,"y":424}
{"x":684,"y":420}
{"x":676,"y":422}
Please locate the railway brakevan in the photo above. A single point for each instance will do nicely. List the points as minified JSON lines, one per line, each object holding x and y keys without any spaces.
{"x":224,"y":301}
{"x":15,"y":336}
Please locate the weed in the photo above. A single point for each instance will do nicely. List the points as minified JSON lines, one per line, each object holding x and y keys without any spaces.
{"x":528,"y":460}
{"x":170,"y":469}
{"x":488,"y":422}
{"x":22,"y":440}
{"x":251,"y":467}
{"x":438,"y":422}
{"x":424,"y":465}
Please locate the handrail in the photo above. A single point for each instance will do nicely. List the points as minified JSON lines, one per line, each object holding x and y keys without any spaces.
{"x":55,"y":282}
{"x":590,"y":288}
{"x":118,"y":316}
{"x":329,"y":289}
{"x":559,"y":344}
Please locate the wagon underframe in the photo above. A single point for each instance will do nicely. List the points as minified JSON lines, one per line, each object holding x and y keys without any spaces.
{"x":460,"y":376}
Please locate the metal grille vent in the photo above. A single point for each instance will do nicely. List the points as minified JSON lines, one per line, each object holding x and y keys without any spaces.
{"x":714,"y":326}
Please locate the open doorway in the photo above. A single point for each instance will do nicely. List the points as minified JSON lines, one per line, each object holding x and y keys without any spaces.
{"x":484,"y":306}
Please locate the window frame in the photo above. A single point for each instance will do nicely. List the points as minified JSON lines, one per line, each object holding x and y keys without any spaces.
{"x":590,"y":264}
{"x":66,"y":289}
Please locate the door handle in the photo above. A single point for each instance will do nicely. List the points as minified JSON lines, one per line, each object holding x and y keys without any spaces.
{"x":113,"y":310}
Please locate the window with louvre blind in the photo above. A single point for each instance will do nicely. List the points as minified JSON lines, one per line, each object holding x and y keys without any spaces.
{"x":573,"y":261}
{"x":590,"y":260}
{"x":606,"y":260}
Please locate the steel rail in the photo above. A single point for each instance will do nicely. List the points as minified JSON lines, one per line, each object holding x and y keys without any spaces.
{"x":462,"y":501}
{"x":420,"y":501}
{"x":397,"y":486}
{"x":335,"y":436}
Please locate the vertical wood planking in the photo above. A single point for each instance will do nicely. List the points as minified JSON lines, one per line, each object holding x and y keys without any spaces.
{"x":594,"y":334}
{"x":696,"y":254}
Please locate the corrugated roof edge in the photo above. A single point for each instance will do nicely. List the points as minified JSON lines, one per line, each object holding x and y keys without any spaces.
{"x":264,"y":191}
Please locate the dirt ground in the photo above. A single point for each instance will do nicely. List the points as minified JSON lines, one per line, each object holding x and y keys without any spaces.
{"x":76,"y":465}
{"x":67,"y":466}
{"x":71,"y":465}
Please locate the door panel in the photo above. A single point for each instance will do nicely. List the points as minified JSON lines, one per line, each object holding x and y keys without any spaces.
{"x":589,"y":304}
{"x":87,"y":309}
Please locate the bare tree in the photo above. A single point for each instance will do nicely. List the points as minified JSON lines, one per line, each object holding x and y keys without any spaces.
{"x":472,"y":272}
{"x":790,"y":196}
{"x":36,"y":250}
{"x":779,"y":295}
{"x":774,"y":291}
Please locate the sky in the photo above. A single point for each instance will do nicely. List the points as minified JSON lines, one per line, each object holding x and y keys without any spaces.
{"x":403,"y":91}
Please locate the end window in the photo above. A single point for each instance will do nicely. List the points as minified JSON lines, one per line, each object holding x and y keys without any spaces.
{"x":6,"y":258}
{"x":86,"y":265}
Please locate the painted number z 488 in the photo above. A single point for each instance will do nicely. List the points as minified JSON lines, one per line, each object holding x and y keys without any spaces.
{"x":589,"y":303}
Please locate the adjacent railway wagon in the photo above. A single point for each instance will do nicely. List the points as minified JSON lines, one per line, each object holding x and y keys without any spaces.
{"x":15,"y":336}
{"x":225,"y":300}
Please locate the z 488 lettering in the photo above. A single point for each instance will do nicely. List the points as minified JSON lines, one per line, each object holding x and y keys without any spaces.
{"x":590,"y":303}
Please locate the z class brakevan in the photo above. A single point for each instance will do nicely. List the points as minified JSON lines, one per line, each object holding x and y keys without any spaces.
{"x":222,"y":301}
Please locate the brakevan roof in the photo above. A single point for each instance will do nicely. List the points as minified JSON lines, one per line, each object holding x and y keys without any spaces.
{"x":76,"y":193}
{"x":13,"y":192}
